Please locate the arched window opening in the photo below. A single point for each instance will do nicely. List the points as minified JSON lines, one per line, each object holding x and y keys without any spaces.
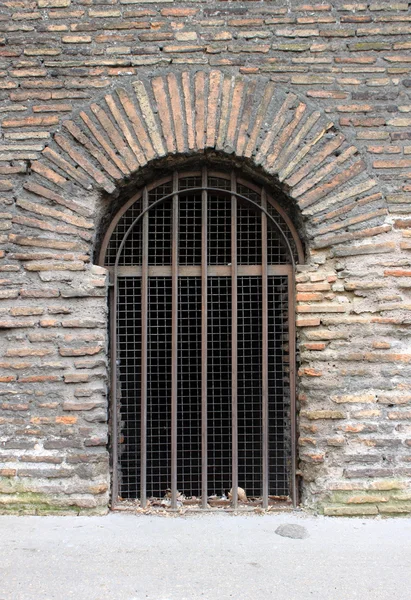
{"x":202,"y":344}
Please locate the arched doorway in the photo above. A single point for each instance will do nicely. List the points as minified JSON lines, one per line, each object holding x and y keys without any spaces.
{"x":202,"y":337}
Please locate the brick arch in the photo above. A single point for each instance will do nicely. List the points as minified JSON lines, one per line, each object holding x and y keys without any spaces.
{"x":106,"y":143}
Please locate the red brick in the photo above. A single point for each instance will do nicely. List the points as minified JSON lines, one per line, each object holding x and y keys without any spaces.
{"x":309,"y":297}
{"x":178,"y":12}
{"x":309,"y":372}
{"x":66,"y":420}
{"x":83,"y":351}
{"x":314,"y":345}
{"x":31,"y":122}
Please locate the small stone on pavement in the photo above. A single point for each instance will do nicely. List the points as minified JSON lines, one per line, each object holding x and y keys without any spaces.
{"x":296,"y":532}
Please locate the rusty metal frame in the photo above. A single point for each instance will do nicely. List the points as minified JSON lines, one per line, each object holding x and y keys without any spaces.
{"x":264,"y":374}
{"x":204,"y":271}
{"x":223,"y":175}
{"x":144,"y":313}
{"x":204,"y":345}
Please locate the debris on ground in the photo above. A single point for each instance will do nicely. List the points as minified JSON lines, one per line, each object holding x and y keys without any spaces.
{"x":241,"y":495}
{"x":193,"y":504}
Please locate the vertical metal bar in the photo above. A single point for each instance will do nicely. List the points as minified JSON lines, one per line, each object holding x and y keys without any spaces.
{"x":174,"y":343}
{"x":114,"y":405}
{"x":234,"y":344}
{"x":144,"y":340}
{"x":293,"y":404}
{"x":264,"y":291}
{"x":204,"y":258}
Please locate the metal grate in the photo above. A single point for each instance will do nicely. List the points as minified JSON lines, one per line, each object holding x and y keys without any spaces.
{"x":158,"y":386}
{"x":250,"y":416}
{"x":129,"y":384}
{"x":219,"y":230}
{"x":190,"y":229}
{"x":133,"y":244}
{"x":159,"y":229}
{"x":189,"y":387}
{"x":279,"y":434}
{"x":219,"y":386}
{"x":203,"y":380}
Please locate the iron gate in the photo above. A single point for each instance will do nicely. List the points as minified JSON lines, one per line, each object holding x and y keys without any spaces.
{"x":202,"y":338}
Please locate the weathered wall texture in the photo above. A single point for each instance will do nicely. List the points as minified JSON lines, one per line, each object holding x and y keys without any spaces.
{"x":315,"y":99}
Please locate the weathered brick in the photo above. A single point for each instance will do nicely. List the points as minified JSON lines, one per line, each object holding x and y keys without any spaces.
{"x":43,"y":121}
{"x":39,"y":378}
{"x":392,"y":164}
{"x":313,"y":287}
{"x":163,"y":100}
{"x":365,"y":249}
{"x":82,"y":351}
{"x":322,"y":308}
{"x":16,"y":323}
{"x":179,"y":12}
{"x":314,"y":415}
{"x":26,"y":311}
{"x":76,"y":39}
{"x":50,"y":212}
{"x":307,"y":322}
{"x":48,"y":265}
{"x":314,"y":346}
{"x":354,"y":398}
{"x":39,"y":293}
{"x":343,"y":511}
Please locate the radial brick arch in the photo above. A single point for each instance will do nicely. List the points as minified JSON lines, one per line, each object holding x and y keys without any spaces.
{"x":252,"y":118}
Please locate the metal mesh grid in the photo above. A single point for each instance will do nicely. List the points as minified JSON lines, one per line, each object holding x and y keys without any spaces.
{"x":160,"y":230}
{"x":131,"y":254}
{"x":159,"y":386}
{"x":159,"y":192}
{"x":222,"y":183}
{"x":249,"y":293}
{"x":219,"y":367}
{"x":279,"y":441}
{"x":249,"y":193}
{"x":277,"y":253}
{"x":189,"y":387}
{"x":129,"y":383}
{"x":192,"y":181}
{"x":219,"y":385}
{"x":248,"y":236}
{"x":219,"y":230}
{"x":133,"y":246}
{"x":189,"y":232}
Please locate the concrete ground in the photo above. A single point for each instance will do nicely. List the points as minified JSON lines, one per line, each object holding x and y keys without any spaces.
{"x":203,"y":557}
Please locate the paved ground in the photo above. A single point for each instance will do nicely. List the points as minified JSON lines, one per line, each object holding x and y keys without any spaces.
{"x":207,"y":557}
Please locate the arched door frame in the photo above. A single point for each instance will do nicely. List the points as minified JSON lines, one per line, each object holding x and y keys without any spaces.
{"x":283,"y":269}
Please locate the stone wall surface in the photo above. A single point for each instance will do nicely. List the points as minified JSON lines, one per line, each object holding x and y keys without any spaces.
{"x":315,"y":100}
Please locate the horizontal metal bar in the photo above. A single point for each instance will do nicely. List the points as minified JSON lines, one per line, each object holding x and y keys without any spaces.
{"x":212,"y":271}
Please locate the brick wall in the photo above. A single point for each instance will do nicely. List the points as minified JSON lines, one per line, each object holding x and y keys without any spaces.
{"x":315,"y":99}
